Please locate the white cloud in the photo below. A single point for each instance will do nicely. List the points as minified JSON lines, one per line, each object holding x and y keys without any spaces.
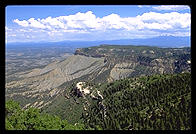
{"x":35,"y":23}
{"x":88,"y":21}
{"x":81,"y":25}
{"x":171,"y":7}
{"x":52,"y":22}
{"x":7,"y":29}
{"x":23,"y":23}
{"x":165,"y":21}
{"x":29,"y":23}
{"x":141,"y":6}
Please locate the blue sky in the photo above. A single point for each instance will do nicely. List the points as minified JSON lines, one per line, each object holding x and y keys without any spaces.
{"x":93,"y":22}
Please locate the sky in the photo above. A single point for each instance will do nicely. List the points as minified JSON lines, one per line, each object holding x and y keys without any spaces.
{"x":95,"y":22}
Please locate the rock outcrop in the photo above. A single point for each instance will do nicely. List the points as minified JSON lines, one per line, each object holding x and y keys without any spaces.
{"x":97,"y":64}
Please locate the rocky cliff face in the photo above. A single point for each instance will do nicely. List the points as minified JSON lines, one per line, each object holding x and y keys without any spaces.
{"x":130,"y":61}
{"x":43,"y":84}
{"x":39,"y":87}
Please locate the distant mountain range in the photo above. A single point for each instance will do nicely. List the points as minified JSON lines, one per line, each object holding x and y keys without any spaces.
{"x":160,"y":41}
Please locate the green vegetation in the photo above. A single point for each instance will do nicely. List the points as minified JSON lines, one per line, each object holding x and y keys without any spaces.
{"x":158,"y":102}
{"x":145,"y":100}
{"x":129,"y":50}
{"x":32,"y":119}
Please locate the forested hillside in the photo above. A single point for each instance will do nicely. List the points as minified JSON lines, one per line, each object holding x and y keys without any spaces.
{"x":32,"y":119}
{"x":158,"y":102}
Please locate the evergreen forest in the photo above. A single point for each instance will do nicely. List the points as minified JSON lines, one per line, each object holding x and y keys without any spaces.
{"x":157,"y":102}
